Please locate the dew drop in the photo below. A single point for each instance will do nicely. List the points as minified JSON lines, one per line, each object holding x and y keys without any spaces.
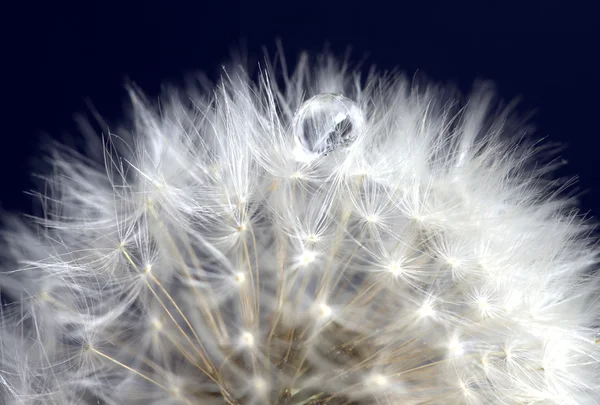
{"x":324,"y":123}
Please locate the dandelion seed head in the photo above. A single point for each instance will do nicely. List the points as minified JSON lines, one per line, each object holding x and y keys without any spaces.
{"x":454,"y":261}
{"x":316,"y":238}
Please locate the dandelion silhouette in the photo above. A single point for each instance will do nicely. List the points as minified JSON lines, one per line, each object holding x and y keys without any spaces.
{"x":319,"y":240}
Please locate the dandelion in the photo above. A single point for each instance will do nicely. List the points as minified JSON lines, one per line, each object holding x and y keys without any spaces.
{"x":305,"y":238}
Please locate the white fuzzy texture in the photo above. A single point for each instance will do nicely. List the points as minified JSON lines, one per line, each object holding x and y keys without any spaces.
{"x":429,"y":260}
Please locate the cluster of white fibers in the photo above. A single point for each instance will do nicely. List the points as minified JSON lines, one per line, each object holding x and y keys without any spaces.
{"x":307,"y":238}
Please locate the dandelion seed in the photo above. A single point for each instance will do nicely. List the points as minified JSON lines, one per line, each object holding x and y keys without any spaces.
{"x":312,"y":238}
{"x":260,"y":386}
{"x":485,"y":361}
{"x":239,"y":277}
{"x":157,"y":325}
{"x":247,"y":339}
{"x":379,"y":380}
{"x":307,"y":257}
{"x":426,"y":310}
{"x":372,"y":219}
{"x":508,"y":354}
{"x":455,"y":348}
{"x":395,"y":269}
{"x":324,"y":311}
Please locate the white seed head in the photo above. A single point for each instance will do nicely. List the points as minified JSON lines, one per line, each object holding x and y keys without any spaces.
{"x":312,"y":238}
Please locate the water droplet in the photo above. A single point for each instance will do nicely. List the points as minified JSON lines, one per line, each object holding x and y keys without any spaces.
{"x":324,"y":123}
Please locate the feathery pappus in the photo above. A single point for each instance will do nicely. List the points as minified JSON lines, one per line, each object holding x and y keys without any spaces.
{"x":304,"y":237}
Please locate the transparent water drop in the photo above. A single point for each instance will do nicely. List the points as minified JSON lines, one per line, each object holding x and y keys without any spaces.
{"x":324,"y":123}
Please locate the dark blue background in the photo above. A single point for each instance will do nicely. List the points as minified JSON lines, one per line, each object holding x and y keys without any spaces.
{"x":60,"y":55}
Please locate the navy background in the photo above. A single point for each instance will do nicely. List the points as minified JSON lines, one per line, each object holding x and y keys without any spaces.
{"x":60,"y":55}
